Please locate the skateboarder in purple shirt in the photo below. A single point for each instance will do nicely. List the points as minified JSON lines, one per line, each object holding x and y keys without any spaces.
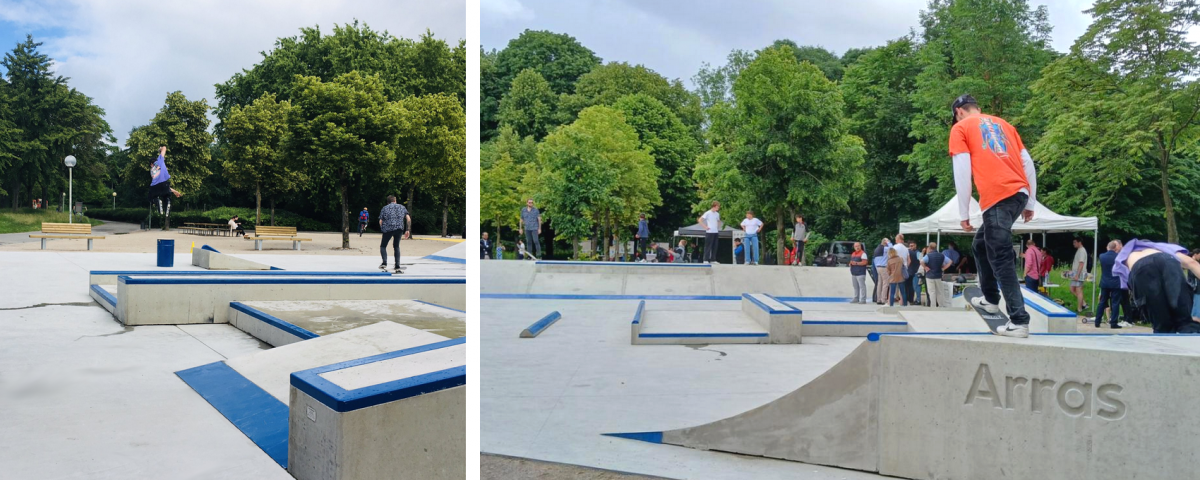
{"x":160,"y":185}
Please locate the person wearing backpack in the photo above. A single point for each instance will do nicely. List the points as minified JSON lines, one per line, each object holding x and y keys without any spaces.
{"x":393,"y":222}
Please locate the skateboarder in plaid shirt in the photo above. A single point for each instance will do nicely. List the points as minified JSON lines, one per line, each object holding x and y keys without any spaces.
{"x":989,"y":150}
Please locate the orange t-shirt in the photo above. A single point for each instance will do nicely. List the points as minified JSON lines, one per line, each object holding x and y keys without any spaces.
{"x":995,"y":149}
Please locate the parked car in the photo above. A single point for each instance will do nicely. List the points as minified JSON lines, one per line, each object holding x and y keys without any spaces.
{"x":841,"y":250}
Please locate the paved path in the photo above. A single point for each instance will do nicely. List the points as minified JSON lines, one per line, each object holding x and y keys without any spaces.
{"x":106,"y":228}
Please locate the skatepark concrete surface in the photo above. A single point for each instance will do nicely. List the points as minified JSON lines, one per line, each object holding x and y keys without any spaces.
{"x":324,"y":317}
{"x":85,"y":397}
{"x":553,"y":398}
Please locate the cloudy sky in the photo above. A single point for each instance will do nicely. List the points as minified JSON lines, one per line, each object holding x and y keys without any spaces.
{"x":675,"y":37}
{"x":129,"y":54}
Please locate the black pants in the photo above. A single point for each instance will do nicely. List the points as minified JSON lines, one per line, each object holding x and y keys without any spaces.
{"x":1162,"y":295}
{"x":995,"y":257}
{"x":1111,"y":298}
{"x":533,"y":243}
{"x":639,"y":247}
{"x":906,"y":291}
{"x":394,"y":237}
{"x":710,"y":246}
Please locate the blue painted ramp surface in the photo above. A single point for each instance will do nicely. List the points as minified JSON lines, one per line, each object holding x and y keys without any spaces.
{"x":263,"y":418}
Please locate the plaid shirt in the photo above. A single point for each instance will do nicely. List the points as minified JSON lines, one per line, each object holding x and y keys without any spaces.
{"x":392,"y":217}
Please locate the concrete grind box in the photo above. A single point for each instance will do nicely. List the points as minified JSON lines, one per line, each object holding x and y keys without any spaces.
{"x":396,"y":415}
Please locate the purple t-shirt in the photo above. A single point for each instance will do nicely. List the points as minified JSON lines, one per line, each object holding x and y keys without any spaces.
{"x":158,"y":171}
{"x":1135,"y":245}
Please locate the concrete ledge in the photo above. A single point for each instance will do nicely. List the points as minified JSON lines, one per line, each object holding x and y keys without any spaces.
{"x":104,"y":298}
{"x":635,"y":328}
{"x":109,"y":277}
{"x":258,"y":415}
{"x":402,"y":411}
{"x":210,"y":259}
{"x":174,"y":300}
{"x":441,"y":258}
{"x":540,"y":326}
{"x":622,"y":268}
{"x":270,"y":329}
{"x":851,"y":328}
{"x":783,"y":322}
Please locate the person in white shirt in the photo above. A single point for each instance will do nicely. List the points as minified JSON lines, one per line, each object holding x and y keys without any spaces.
{"x":902,"y":251}
{"x":711,"y":221}
{"x":751,"y":226}
{"x":1079,"y":274}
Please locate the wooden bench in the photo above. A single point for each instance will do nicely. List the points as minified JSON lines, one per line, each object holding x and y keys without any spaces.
{"x":276,"y":233}
{"x":68,"y":231}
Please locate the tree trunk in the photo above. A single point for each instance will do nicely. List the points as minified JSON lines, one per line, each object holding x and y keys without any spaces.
{"x":257,"y":203}
{"x":409,"y":205}
{"x":1168,"y":205}
{"x":779,"y":234}
{"x":605,"y":235}
{"x":346,"y":216}
{"x":14,"y":191}
{"x":445,"y":215}
{"x":574,"y":248}
{"x":272,"y":210}
{"x":498,"y":238}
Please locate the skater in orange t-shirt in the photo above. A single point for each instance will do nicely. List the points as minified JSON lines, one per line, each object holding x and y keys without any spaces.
{"x":989,"y":150}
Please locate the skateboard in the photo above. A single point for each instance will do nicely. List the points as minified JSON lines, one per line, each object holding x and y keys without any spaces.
{"x":398,"y":269}
{"x":993,"y":320}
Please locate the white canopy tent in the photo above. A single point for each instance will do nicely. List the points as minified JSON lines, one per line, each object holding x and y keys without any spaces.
{"x":946,"y":220}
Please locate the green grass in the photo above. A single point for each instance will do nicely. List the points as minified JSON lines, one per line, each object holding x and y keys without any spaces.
{"x":1062,"y":293}
{"x":30,"y":220}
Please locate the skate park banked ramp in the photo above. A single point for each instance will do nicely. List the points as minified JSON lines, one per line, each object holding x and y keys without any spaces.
{"x":978,"y":406}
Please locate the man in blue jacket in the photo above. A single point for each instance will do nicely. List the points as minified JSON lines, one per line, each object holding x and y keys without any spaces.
{"x":643,"y":233}
{"x":1111,"y":294}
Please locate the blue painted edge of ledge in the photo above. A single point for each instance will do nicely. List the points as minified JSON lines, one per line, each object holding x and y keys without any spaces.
{"x":341,"y":400}
{"x":539,"y":326}
{"x":875,"y":336}
{"x":770,"y":311}
{"x":258,"y":415}
{"x":108,"y":297}
{"x":851,"y":322}
{"x":211,"y":249}
{"x":288,"y":281}
{"x":1066,"y":312}
{"x":702,"y":335}
{"x":637,"y":314}
{"x":275,"y":272}
{"x":277,"y":268}
{"x":273,"y":321}
{"x":571,"y":296}
{"x":439,"y":306}
{"x":651,"y":437}
{"x":445,"y":259}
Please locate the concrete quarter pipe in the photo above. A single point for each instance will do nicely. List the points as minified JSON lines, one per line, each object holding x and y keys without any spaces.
{"x":977,"y":406}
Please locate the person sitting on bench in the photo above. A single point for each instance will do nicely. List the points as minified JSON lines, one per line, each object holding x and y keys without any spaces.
{"x":235,"y":226}
{"x":1153,"y":272}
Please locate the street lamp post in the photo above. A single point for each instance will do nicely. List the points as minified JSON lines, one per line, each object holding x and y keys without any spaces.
{"x":70,"y":162}
{"x":114,"y":200}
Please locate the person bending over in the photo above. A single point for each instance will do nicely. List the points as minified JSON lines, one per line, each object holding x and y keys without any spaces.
{"x":1153,"y":272}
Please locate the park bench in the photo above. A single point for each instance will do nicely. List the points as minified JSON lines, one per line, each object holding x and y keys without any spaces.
{"x":69,"y":231}
{"x":276,"y":233}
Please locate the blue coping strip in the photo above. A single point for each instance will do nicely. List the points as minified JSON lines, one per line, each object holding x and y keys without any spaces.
{"x":850,"y":322}
{"x":874,"y":337}
{"x":445,"y":259}
{"x":567,"y":296}
{"x":273,"y":321}
{"x":277,"y":268}
{"x":652,"y":437}
{"x":206,"y":247}
{"x":108,"y":297}
{"x":770,"y":311}
{"x":261,"y":417}
{"x":815,"y":299}
{"x":287,"y":281}
{"x":277,"y":272}
{"x":342,"y":400}
{"x":1064,"y":313}
{"x":701,"y":335}
{"x":637,"y":315}
{"x":439,"y":306}
{"x":625,"y":264}
{"x":544,"y":323}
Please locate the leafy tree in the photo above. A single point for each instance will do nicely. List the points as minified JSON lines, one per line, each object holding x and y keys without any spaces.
{"x":181,"y":125}
{"x":674,"y":150}
{"x":593,"y":169}
{"x":790,"y":140}
{"x":715,"y":84}
{"x":490,"y":91}
{"x":877,"y":89}
{"x":992,"y":49}
{"x":605,"y":84}
{"x":558,"y":58}
{"x":825,"y":60}
{"x":1122,"y":107}
{"x":504,"y":163}
{"x":529,"y":105}
{"x":343,"y":128}
{"x":255,"y":158}
{"x":432,"y":147}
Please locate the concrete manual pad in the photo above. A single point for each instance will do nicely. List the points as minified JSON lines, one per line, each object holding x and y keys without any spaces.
{"x":660,"y":321}
{"x":271,"y":369}
{"x":324,"y":317}
{"x":943,"y":321}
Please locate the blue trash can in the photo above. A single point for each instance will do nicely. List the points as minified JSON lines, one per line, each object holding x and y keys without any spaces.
{"x":166,"y":252}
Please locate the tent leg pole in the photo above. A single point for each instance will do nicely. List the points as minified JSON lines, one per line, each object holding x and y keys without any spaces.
{"x":1095,"y":263}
